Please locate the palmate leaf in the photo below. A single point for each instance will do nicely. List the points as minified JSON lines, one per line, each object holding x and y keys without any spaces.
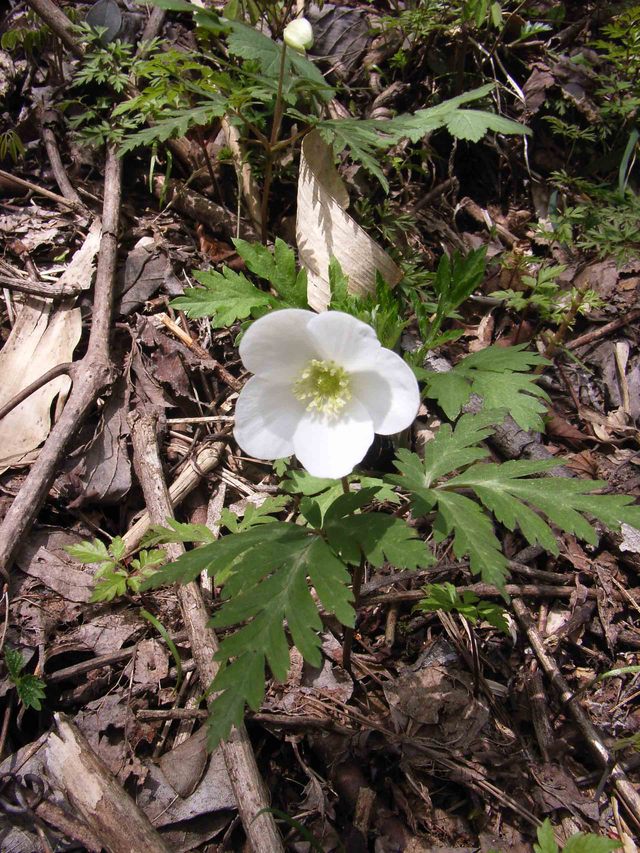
{"x":219,"y":557}
{"x":363,"y":139}
{"x":225,"y":297}
{"x":278,"y":268}
{"x":501,"y":376}
{"x":248,"y":43}
{"x":512,"y":492}
{"x":265,"y":573}
{"x":176,"y":123}
{"x":473,"y":536}
{"x":509,"y":490}
{"x":266,"y":598}
{"x":448,"y":451}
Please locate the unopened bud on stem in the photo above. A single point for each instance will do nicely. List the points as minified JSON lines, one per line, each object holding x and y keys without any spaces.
{"x":299,"y":35}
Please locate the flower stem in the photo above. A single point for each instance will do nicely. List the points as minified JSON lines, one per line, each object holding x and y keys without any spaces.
{"x":347,"y":643}
{"x":270,"y":149}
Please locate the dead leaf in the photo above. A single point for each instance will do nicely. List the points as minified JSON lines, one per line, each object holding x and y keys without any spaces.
{"x":103,"y":475}
{"x":184,"y":765}
{"x":324,"y":229}
{"x":41,"y":338}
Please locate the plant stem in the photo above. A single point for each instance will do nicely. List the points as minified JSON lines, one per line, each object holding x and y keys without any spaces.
{"x":275,"y":130}
{"x":358,"y":577}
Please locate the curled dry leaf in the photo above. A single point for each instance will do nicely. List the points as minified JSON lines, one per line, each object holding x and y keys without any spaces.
{"x":324,"y":229}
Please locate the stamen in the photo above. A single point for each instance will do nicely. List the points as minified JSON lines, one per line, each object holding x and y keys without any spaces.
{"x":325,"y":385}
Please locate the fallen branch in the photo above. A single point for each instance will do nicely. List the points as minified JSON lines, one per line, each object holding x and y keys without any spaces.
{"x":47,"y":122}
{"x":34,"y":188}
{"x":90,"y":377}
{"x":249,"y":789}
{"x":597,"y":747}
{"x":205,"y":460}
{"x":104,"y":804}
{"x":37,"y":288}
{"x":57,"y":21}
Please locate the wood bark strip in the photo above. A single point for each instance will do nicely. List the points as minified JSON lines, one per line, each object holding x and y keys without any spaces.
{"x":106,"y":807}
{"x":251,"y":794}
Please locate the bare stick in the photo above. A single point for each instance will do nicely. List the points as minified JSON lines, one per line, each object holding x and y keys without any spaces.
{"x":247,"y":783}
{"x":110,"y":812}
{"x":59,"y":199}
{"x":605,"y":330}
{"x":152,"y":27}
{"x":59,"y":370}
{"x":36,"y":288}
{"x":206,"y":459}
{"x":91,"y":375}
{"x":53,"y":152}
{"x":623,"y":786}
{"x":56,"y":20}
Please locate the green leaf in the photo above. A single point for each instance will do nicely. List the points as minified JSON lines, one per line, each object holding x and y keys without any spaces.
{"x":254,"y":515}
{"x":240,"y":683}
{"x":473,"y":536}
{"x":364,"y":138}
{"x":583,"y":843}
{"x":90,"y":552}
{"x":112,"y":584}
{"x":177,"y":531}
{"x":31,"y":690}
{"x":378,"y":537}
{"x":472,"y":125}
{"x":501,"y":376}
{"x":117,"y":548}
{"x":448,"y":451}
{"x":14,"y":662}
{"x":279,"y":268}
{"x":175,"y":123}
{"x":248,"y":43}
{"x":220,"y":557}
{"x":262,"y":594}
{"x":546,"y":839}
{"x":446,"y":597}
{"x":225,"y":297}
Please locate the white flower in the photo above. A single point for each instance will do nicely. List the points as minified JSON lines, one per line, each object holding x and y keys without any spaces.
{"x":299,"y":35}
{"x":323,"y":385}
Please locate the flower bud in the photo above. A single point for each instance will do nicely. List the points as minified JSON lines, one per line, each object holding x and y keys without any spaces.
{"x":299,"y":35}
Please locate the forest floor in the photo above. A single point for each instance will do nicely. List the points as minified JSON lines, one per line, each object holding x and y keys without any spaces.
{"x":443,"y":732}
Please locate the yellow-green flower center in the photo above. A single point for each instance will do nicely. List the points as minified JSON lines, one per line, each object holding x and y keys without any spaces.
{"x":324,"y":387}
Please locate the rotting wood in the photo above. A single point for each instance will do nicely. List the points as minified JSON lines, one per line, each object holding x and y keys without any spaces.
{"x":90,"y":376}
{"x":251,"y":794}
{"x":201,"y":209}
{"x":103,"y":803}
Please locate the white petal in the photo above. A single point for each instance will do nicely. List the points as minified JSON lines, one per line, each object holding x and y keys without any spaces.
{"x":267,"y":416}
{"x":278,"y":345}
{"x":389,"y":391}
{"x":332,"y":447}
{"x":343,"y":339}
